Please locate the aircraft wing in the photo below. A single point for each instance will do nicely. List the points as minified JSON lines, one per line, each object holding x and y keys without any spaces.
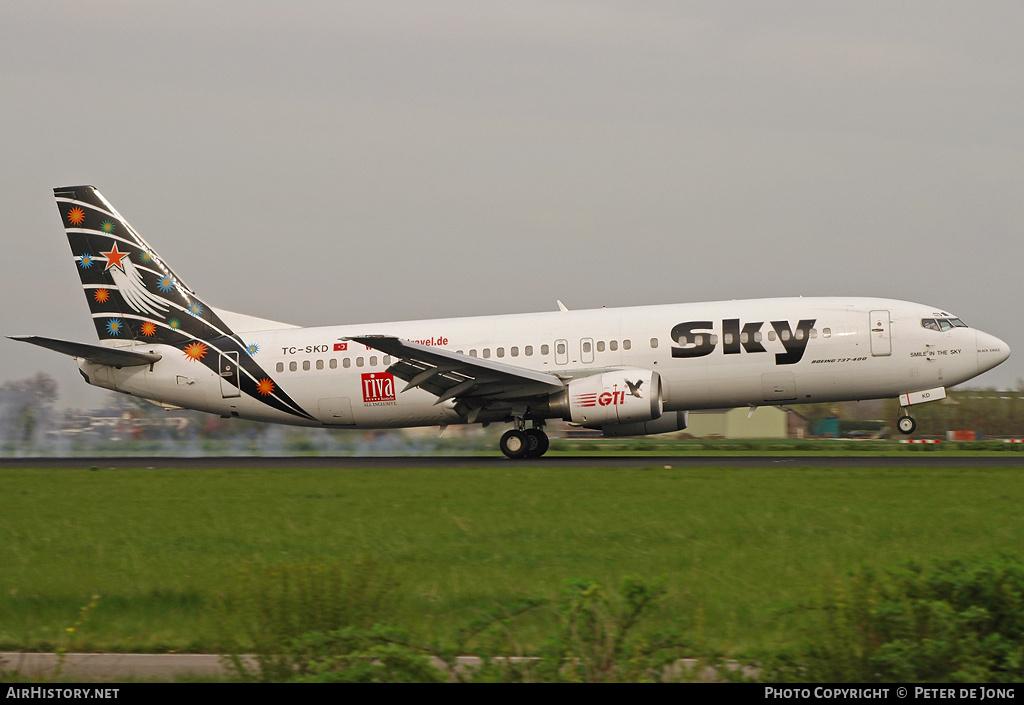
{"x":115,"y":357}
{"x":448,"y":374}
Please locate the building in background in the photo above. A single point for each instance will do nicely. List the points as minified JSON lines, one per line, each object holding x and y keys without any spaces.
{"x":765,"y":422}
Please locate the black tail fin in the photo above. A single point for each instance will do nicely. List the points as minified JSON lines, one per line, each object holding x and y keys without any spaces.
{"x":132,"y":294}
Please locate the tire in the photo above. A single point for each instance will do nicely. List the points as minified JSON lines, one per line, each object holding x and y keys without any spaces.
{"x":538,"y":442}
{"x":906,"y":425}
{"x":514,"y":444}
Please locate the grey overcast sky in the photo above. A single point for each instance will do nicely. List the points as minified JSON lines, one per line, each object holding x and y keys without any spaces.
{"x":336,"y":162}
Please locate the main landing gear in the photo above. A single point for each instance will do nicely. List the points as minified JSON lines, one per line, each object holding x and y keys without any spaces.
{"x":521,"y":442}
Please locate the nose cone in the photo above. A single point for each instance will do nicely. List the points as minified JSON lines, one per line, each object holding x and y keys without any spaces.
{"x":991,"y":351}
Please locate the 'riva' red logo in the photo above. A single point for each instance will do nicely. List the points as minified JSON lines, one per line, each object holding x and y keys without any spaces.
{"x":378,"y":386}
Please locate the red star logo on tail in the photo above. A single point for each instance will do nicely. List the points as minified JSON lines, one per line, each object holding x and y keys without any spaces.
{"x":114,"y":258}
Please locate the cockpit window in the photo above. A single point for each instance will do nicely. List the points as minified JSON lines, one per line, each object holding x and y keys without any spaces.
{"x":942,"y":324}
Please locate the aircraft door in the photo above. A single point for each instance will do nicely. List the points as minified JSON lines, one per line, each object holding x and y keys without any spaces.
{"x":778,"y":386}
{"x":881,"y":343}
{"x":229,"y":386}
{"x":561,"y":352}
{"x":587,"y":350}
{"x":337,"y":412}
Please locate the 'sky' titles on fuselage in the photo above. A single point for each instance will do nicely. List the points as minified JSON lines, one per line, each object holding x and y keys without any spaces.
{"x":737,"y":339}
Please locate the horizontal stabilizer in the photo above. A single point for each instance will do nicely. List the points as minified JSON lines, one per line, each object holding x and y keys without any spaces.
{"x":93,"y":353}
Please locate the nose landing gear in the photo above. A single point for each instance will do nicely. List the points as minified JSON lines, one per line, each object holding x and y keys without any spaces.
{"x":906,"y":423}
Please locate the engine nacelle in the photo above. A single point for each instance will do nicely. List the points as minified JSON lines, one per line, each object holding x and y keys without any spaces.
{"x":672,"y":421}
{"x":622,"y":396}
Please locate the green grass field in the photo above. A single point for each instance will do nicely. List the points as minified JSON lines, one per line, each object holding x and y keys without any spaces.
{"x":742,"y":551}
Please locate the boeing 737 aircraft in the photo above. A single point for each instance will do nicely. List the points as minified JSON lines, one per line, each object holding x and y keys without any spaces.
{"x":625,"y":371}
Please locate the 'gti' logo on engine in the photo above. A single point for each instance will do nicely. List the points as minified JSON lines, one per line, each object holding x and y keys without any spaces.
{"x":378,"y":386}
{"x":602,"y":399}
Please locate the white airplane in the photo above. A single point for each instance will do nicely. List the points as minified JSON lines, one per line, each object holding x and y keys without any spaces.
{"x":625,"y":371}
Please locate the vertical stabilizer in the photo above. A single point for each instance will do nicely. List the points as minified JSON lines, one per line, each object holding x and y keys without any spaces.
{"x":135,"y":297}
{"x":132,"y":294}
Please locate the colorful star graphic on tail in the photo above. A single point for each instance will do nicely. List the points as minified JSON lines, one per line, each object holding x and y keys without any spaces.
{"x":265,"y":387}
{"x":114,"y":258}
{"x":76,"y":216}
{"x":195,"y":351}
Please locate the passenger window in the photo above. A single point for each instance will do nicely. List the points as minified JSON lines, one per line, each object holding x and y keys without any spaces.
{"x":347,"y":362}
{"x":387,"y":360}
{"x":280,"y":367}
{"x":586,"y":346}
{"x":293,"y":366}
{"x":600,"y":346}
{"x":529,"y":350}
{"x":487,"y":352}
{"x":561,"y":349}
{"x":373,"y":361}
{"x":654,"y":341}
{"x":305,"y":365}
{"x":472,"y":353}
{"x":334,"y":363}
{"x":757,"y":336}
{"x":359,"y":362}
{"x":500,"y":352}
{"x":319,"y":364}
{"x":771,"y":335}
{"x":514,"y":351}
{"x":728,"y":338}
{"x":784,"y":335}
{"x":545,"y":349}
{"x":826,"y":332}
{"x":613,"y":345}
{"x":626,"y":345}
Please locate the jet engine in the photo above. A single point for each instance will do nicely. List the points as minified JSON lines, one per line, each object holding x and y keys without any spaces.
{"x":672,"y":421}
{"x":619,"y":397}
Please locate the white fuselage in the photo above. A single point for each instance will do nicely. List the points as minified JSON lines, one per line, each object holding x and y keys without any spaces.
{"x":709,"y":355}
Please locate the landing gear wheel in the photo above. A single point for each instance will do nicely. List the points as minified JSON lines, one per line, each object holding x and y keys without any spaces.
{"x":514,"y":444}
{"x":537,"y":442}
{"x":906,"y":425}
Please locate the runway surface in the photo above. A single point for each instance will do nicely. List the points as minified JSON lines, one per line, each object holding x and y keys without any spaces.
{"x":902,"y":460}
